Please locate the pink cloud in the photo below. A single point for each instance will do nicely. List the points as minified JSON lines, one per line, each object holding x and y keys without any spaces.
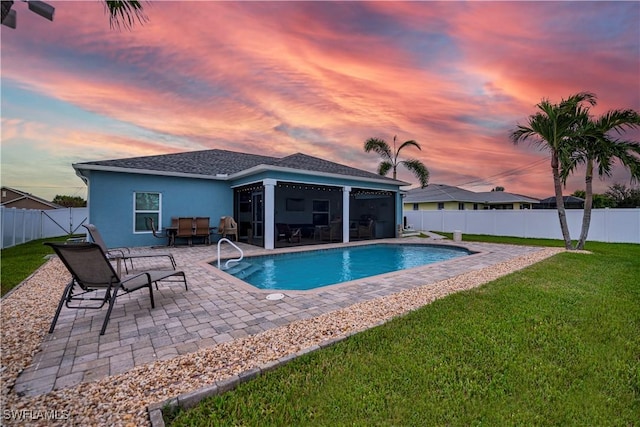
{"x":277,"y":78}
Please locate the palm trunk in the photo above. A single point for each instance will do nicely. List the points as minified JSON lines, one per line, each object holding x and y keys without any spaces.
{"x":588,"y":204}
{"x":562,"y":215}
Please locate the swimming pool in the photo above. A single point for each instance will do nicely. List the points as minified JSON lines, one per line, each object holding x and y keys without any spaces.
{"x":313,"y":269}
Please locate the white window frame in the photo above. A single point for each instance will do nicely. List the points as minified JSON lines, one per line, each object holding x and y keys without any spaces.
{"x":147,"y":211}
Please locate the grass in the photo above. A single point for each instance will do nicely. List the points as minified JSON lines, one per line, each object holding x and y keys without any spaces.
{"x":507,"y":240}
{"x":19,"y":262}
{"x":555,"y":344}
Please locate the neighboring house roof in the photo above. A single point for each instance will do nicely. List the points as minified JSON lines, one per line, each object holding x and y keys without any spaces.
{"x":19,"y":199}
{"x":223,"y":164}
{"x":569,"y":202}
{"x":439,"y":193}
{"x":491,"y":197}
{"x":566,"y":199}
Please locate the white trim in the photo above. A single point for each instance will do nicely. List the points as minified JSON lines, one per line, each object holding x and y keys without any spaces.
{"x":269,"y":213}
{"x":247,"y":172}
{"x":159,"y":212}
{"x":79,"y":167}
{"x":346,"y":192}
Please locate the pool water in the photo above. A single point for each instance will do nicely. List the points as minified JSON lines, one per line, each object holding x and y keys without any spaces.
{"x":317,"y":268}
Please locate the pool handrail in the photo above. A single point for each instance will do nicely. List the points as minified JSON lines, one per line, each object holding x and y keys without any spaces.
{"x":226,"y":264}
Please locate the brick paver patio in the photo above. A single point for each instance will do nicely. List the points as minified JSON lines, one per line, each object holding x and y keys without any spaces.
{"x":215,"y":309}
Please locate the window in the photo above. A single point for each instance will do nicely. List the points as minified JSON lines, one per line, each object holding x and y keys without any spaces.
{"x":460,"y":206}
{"x":440,"y":206}
{"x":146,"y":205}
{"x":416,"y":206}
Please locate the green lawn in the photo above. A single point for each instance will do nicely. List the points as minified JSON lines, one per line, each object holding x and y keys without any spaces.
{"x":555,"y":344}
{"x":18,"y":262}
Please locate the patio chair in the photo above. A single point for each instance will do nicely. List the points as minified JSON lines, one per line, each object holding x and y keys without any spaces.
{"x":366,"y":230}
{"x":202,"y":229}
{"x":333,"y":232}
{"x":228,"y":227}
{"x":150,"y":224}
{"x":283,"y":231}
{"x":123,"y":254}
{"x":94,"y":279}
{"x":185,"y":229}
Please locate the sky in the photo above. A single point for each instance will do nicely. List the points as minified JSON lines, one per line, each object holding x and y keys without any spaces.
{"x":277,"y":78}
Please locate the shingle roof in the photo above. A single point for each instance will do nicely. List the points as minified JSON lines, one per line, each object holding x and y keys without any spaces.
{"x":206,"y":162}
{"x":23,"y":195}
{"x":223,"y":162}
{"x":439,"y":193}
{"x":304,"y":162}
{"x":504,"y":197}
{"x":447,"y":193}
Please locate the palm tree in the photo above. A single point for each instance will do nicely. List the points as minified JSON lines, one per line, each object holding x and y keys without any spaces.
{"x":124,"y":13}
{"x":595,"y":148}
{"x":390,"y":159}
{"x":554,"y":128}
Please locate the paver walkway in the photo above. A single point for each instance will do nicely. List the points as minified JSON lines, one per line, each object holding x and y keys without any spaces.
{"x":215,"y":309}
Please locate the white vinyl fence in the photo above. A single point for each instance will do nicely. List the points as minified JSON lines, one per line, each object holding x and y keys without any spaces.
{"x":19,"y":226}
{"x":607,"y":225}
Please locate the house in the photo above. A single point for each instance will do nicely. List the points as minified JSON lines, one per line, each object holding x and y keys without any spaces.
{"x":570,"y":202}
{"x":258,"y":191}
{"x":12,"y":198}
{"x":440,"y":196}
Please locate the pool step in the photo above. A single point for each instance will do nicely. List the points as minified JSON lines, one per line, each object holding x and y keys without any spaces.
{"x":241,"y":269}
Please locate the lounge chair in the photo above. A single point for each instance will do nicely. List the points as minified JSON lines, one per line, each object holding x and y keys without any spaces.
{"x":123,"y":254}
{"x":228,"y":227}
{"x":93,"y":274}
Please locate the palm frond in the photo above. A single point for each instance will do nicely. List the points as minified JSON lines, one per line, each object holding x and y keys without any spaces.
{"x":378,"y":146}
{"x":384,"y":168}
{"x":124,"y":13}
{"x":418,"y":169}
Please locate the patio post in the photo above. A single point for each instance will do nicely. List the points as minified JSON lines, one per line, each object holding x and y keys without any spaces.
{"x":269,"y":212}
{"x":346,"y":190}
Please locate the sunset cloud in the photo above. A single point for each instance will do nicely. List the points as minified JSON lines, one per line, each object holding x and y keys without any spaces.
{"x":314,"y":77}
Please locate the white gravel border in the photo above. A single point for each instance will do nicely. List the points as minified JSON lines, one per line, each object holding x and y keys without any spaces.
{"x":122,"y":400}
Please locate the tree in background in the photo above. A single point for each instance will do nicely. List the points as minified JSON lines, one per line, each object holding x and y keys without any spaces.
{"x":595,"y":147}
{"x":600,"y":201}
{"x":554,"y":128}
{"x":70,"y":201}
{"x":498,"y":188}
{"x":624,"y":197}
{"x":390,"y":158}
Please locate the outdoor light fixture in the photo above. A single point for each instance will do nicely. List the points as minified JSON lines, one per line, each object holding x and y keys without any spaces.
{"x":41,"y":8}
{"x":10,"y":19}
{"x":9,"y":16}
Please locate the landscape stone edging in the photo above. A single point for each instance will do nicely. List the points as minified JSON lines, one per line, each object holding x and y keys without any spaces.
{"x":48,"y":258}
{"x":192,"y":398}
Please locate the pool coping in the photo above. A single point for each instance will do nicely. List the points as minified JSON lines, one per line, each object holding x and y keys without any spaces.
{"x":208,"y":264}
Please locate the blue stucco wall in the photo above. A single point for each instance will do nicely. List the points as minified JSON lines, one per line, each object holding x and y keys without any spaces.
{"x":111,"y":203}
